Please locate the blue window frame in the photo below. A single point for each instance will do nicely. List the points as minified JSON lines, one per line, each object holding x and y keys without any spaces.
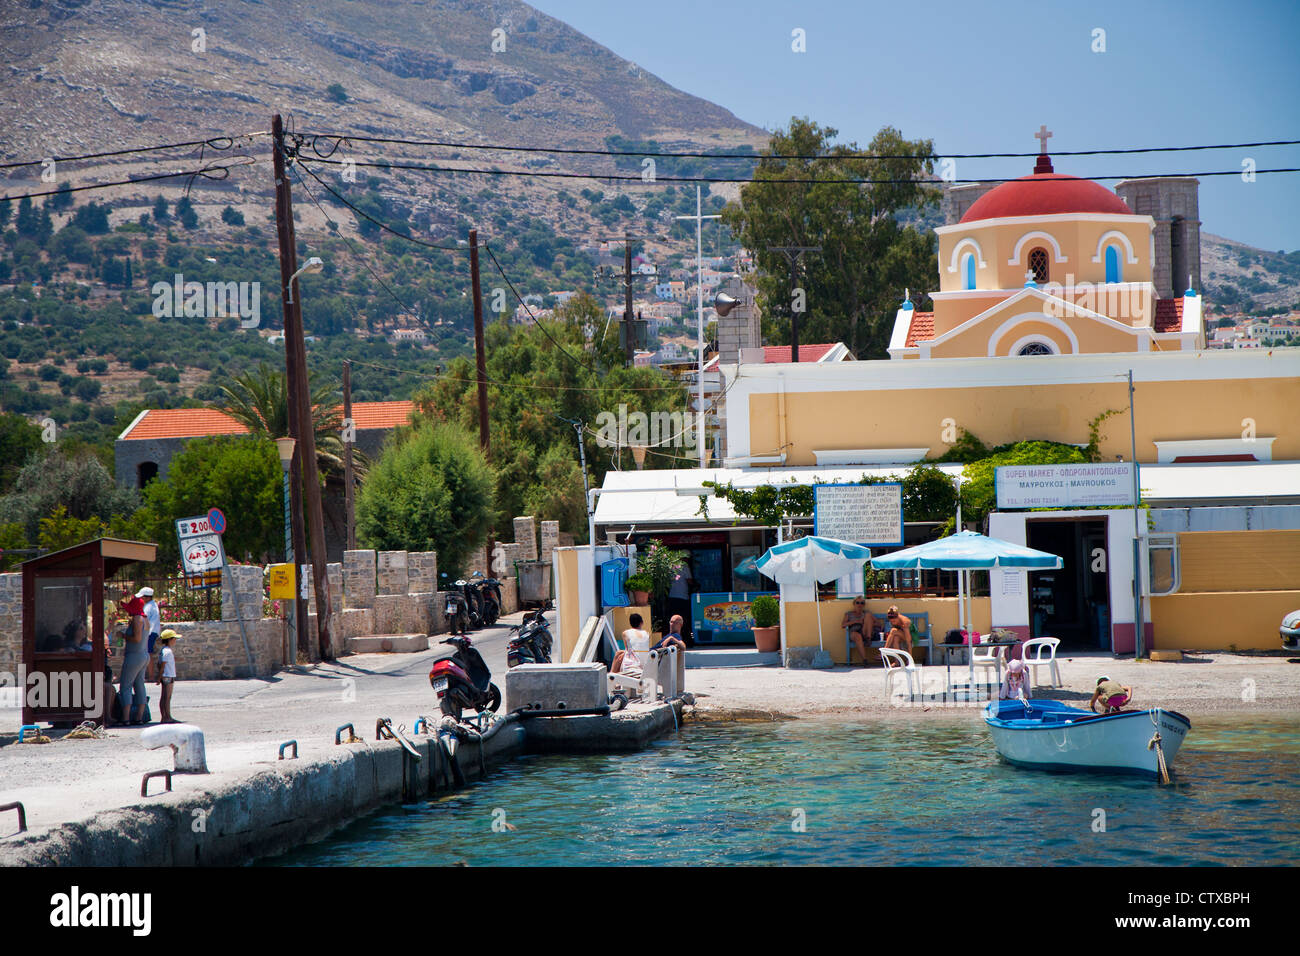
{"x":968,"y":269}
{"x":1114,"y":272}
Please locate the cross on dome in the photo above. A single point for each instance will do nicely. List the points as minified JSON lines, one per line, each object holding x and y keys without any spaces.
{"x":1044,"y":164}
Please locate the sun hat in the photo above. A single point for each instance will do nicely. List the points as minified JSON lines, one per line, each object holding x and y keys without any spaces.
{"x":1102,"y":678}
{"x":144,"y":592}
{"x":167,"y":635}
{"x":1015,"y":665}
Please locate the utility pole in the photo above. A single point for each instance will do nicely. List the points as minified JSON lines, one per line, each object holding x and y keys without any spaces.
{"x":479,"y":350}
{"x":629,"y":339}
{"x":793,"y":253}
{"x":349,"y":433}
{"x":1139,"y":626}
{"x":299,"y":397}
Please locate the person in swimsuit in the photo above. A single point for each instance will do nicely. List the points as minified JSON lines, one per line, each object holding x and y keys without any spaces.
{"x":860,"y":623}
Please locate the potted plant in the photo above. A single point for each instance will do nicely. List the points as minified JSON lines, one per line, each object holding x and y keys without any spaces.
{"x":767,"y":623}
{"x":638,"y":585}
{"x":660,"y":565}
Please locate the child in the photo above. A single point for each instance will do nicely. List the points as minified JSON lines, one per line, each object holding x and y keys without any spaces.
{"x":1112,"y":695}
{"x":167,"y":673}
{"x":1013,"y":685}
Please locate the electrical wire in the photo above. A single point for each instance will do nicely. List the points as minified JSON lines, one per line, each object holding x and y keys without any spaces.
{"x":536,"y":321}
{"x":754,"y":157}
{"x":443,"y":376}
{"x":215,"y":142}
{"x":636,"y":177}
{"x":207,"y":172}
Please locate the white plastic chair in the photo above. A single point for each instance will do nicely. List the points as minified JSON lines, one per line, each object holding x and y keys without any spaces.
{"x":989,"y":657}
{"x":899,"y":662}
{"x":1038,"y":646}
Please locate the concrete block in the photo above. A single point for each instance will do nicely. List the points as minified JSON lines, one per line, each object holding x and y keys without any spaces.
{"x":359,"y":578}
{"x":421,"y":571}
{"x":392,"y":572}
{"x":395,"y":614}
{"x":356,"y":621}
{"x":526,"y":537}
{"x":389,"y":643}
{"x":556,"y":687}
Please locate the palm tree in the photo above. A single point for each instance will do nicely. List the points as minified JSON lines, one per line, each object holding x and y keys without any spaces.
{"x":258,"y":400}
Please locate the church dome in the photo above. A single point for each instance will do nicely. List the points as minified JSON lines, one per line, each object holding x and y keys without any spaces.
{"x":1046,"y":194}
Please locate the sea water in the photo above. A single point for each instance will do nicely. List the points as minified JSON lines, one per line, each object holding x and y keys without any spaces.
{"x":832,"y":791}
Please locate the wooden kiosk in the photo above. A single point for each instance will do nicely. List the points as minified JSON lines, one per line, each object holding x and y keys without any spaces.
{"x":63,"y":627}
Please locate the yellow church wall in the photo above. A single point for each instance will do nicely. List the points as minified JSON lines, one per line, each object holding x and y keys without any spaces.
{"x":1076,"y":238}
{"x":908,"y":418}
{"x":1247,"y":620}
{"x":1238,"y":561}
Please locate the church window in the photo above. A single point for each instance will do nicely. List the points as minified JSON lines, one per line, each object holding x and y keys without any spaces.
{"x":1036,"y":348}
{"x":1114,"y":271}
{"x":1038,"y":265}
{"x":968,"y":270}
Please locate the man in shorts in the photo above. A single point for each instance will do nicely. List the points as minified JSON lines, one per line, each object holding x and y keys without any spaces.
{"x":153,"y":627}
{"x":900,"y":630}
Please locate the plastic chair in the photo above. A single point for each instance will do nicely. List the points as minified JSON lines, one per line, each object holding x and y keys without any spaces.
{"x":898,"y":662}
{"x":1038,"y":646}
{"x":991,"y":657}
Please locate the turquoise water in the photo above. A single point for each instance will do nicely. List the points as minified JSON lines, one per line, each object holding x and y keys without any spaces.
{"x":876,"y":792}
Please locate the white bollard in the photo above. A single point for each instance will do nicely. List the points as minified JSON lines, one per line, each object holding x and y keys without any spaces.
{"x":186,"y":742}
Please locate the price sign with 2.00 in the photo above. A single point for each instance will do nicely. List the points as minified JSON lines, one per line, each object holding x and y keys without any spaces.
{"x":194,"y":527}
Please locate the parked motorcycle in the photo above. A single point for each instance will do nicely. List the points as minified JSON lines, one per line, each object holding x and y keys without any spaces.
{"x":490,"y":592}
{"x":457,"y":612}
{"x":531,"y":641}
{"x":463,"y":681}
{"x":473,"y":601}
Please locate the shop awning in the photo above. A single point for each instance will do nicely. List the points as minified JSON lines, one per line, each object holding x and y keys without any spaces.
{"x":1265,"y":482}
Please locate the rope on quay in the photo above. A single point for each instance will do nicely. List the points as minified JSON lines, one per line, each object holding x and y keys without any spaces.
{"x":1154,"y":744}
{"x":86,"y":730}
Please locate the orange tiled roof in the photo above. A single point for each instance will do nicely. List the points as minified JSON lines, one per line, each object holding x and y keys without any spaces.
{"x":807,"y":353}
{"x":1169,"y":315}
{"x":921,"y":329}
{"x":161,"y":423}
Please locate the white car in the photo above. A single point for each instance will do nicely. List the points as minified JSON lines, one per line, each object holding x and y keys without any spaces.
{"x":1291,"y":631}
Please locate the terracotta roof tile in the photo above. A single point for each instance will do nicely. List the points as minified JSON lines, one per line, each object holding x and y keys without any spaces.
{"x":163,"y":423}
{"x":1169,"y":315}
{"x":921,"y":329}
{"x":807,"y":353}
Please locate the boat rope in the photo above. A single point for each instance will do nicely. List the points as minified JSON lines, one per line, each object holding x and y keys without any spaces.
{"x":1154,"y":744}
{"x":37,"y":738}
{"x":87,"y":730}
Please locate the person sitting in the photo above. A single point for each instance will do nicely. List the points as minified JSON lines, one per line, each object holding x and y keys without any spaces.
{"x":859,"y":622}
{"x":1014,"y":684}
{"x":626,"y":661}
{"x":674,"y":636}
{"x":900,"y":630}
{"x":1112,"y":695}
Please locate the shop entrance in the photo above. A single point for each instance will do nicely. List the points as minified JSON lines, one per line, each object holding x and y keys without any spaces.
{"x":1072,"y":604}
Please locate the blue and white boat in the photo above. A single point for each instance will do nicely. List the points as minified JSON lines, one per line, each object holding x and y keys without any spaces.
{"x":1049,"y":735}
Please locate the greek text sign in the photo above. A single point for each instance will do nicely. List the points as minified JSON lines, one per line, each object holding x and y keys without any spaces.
{"x":1065,"y":486}
{"x":869,"y":515}
{"x":202,"y":556}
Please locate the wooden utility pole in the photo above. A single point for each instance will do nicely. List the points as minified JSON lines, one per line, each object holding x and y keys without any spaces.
{"x":288,"y":257}
{"x":629,"y":338}
{"x":480,"y":351}
{"x":349,"y":434}
{"x":793,"y":253}
{"x":295,"y":350}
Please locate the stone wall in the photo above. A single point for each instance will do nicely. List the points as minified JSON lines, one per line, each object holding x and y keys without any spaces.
{"x":11,"y":622}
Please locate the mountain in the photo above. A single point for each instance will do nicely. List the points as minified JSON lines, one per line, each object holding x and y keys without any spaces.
{"x":1238,"y":277}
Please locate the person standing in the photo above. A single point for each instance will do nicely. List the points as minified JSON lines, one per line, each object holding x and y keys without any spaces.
{"x":153,"y":619}
{"x":131,"y":683}
{"x":679,"y":599}
{"x":167,"y":674}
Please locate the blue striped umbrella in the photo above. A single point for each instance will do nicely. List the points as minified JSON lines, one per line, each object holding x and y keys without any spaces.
{"x":813,"y":560}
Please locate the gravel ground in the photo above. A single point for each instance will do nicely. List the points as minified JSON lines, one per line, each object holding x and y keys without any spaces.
{"x":1206,"y":683}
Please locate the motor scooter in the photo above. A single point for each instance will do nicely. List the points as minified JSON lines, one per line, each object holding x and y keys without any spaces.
{"x":489,"y":590}
{"x":463,"y":680}
{"x":531,"y":641}
{"x":456,"y":609}
{"x":473,"y":601}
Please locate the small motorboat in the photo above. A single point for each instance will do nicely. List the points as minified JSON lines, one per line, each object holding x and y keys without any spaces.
{"x":1049,"y":735}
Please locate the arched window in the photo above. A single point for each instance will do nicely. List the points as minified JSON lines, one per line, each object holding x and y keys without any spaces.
{"x":1114,"y":270}
{"x":145,"y":472}
{"x":1037,"y":348}
{"x":968,"y":269}
{"x":1038,"y":261}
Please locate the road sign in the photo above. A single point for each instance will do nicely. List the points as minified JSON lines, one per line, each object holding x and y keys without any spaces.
{"x":202,"y":556}
{"x":216,"y":520}
{"x":282,"y":583}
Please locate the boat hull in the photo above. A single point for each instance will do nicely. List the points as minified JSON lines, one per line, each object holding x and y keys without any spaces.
{"x":1053,"y":736}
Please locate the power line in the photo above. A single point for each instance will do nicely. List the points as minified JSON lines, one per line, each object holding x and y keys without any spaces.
{"x":218,"y":143}
{"x":536,"y":321}
{"x":401,"y":235}
{"x":636,"y":177}
{"x":207,"y":172}
{"x":340,"y":138}
{"x":443,"y":376}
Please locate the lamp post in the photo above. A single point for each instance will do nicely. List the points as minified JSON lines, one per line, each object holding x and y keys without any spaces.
{"x":285,"y":447}
{"x":699,"y":218}
{"x":314,"y":264}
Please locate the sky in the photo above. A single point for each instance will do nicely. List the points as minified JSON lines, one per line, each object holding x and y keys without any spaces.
{"x":982,"y":77}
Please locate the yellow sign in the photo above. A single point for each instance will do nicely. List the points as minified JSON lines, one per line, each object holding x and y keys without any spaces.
{"x":282,"y":583}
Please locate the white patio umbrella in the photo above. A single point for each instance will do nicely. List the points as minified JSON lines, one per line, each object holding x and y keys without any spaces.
{"x":813,"y":559}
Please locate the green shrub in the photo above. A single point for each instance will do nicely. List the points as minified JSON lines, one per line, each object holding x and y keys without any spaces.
{"x":766,"y":610}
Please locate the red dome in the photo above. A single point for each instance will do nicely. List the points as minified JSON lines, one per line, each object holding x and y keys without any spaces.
{"x":1046,"y":194}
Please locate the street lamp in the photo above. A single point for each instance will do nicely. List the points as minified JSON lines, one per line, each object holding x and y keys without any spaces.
{"x":286,"y":446}
{"x":699,"y":218}
{"x":314,"y":264}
